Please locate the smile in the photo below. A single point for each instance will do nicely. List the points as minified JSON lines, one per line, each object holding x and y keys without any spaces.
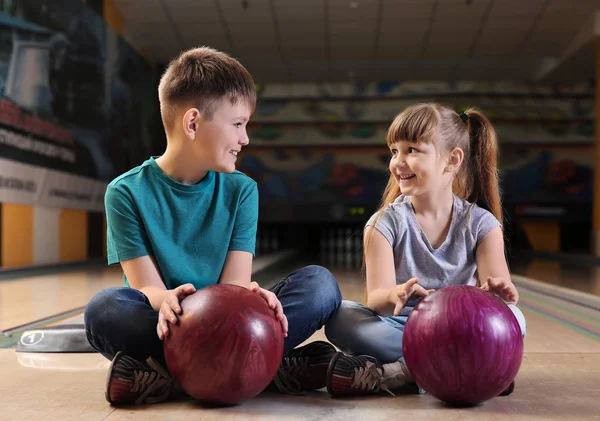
{"x":406,"y":176}
{"x":234,"y":153}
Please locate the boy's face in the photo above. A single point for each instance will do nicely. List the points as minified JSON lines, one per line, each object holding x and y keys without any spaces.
{"x":220,"y":139}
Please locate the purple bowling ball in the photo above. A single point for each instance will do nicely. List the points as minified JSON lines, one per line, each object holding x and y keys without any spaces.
{"x":463,"y":345}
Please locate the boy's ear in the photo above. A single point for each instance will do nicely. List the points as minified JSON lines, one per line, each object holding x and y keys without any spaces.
{"x":191,"y":118}
{"x":455,"y":160}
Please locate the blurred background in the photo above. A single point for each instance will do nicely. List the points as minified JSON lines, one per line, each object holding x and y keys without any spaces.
{"x":78,"y":106}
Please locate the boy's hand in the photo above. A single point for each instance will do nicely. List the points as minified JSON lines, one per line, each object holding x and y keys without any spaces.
{"x":503,"y":288}
{"x":273,"y":303}
{"x":170,"y":308}
{"x":401,"y":293}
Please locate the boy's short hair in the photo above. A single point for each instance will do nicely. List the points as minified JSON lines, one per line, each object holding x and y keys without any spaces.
{"x":201,"y":78}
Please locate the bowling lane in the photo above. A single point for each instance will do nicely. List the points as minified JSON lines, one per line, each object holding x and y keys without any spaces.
{"x":29,"y":299}
{"x":568,"y":274}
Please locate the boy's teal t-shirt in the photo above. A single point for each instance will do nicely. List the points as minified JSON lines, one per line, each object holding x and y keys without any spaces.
{"x":188,"y":229}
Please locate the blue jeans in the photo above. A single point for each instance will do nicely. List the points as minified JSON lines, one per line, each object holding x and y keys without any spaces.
{"x":121,"y":319}
{"x":358,"y":330}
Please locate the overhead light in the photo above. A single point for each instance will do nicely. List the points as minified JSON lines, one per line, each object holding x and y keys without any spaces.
{"x":354,"y":4}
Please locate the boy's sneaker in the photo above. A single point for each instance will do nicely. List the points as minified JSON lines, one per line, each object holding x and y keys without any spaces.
{"x":134,"y":382}
{"x":304,"y":368}
{"x":362,"y":375}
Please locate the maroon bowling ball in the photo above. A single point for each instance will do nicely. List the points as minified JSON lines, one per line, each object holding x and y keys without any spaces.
{"x":226,"y":347}
{"x":463,"y":345}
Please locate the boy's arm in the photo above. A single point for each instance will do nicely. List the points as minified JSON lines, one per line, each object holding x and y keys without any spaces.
{"x":142,"y":274}
{"x":238,"y":263}
{"x":237,"y":269}
{"x":128,"y":244}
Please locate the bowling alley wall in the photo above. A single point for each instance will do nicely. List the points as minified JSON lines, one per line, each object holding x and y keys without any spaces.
{"x":78,"y":107}
{"x":318,"y":152}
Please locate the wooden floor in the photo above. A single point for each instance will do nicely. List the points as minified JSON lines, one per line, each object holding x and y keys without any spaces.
{"x":578,"y":277}
{"x":559,"y":377}
{"x":29,"y":299}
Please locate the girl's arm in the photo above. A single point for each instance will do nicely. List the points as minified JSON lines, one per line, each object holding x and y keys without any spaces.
{"x":492,"y":268}
{"x":383,"y":295}
{"x":381,"y":274}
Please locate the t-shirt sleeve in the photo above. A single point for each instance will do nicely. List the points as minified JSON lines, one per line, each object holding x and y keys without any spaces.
{"x":243,"y":237}
{"x":126,"y":237}
{"x":387,"y":225}
{"x":484,"y":222}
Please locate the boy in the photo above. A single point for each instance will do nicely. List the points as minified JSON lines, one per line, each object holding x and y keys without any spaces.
{"x":188,"y":219}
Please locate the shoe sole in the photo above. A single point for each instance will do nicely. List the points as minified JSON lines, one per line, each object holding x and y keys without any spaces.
{"x":330,"y":373}
{"x":109,"y":377}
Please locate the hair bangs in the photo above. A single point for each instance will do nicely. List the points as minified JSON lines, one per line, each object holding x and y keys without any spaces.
{"x":415,"y":124}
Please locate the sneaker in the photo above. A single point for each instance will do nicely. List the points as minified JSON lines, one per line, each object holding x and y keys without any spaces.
{"x":132,"y":381}
{"x":363,"y":374}
{"x":305,"y":368}
{"x":509,"y":389}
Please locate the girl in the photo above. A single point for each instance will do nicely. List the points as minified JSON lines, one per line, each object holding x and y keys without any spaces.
{"x":440,"y":223}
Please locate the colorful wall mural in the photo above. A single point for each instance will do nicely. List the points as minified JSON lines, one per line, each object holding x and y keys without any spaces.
{"x":326,"y":143}
{"x":75,"y":98}
{"x":78,"y":107}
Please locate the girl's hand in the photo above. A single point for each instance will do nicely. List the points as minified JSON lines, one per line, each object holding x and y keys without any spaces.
{"x":503,"y":288}
{"x":400,"y":294}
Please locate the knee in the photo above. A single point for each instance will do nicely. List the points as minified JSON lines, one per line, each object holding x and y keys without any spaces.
{"x":356,"y":329}
{"x":520,"y":318}
{"x":343,"y":322}
{"x":107,"y":306}
{"x":99,"y":305}
{"x":321,"y":281}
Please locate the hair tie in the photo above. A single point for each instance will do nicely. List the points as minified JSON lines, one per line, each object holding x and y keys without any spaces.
{"x":464,"y":117}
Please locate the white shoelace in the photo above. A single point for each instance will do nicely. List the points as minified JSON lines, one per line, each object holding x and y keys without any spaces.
{"x":375,"y":379}
{"x":155,"y":386}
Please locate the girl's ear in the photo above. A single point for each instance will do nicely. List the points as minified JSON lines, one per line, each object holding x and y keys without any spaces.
{"x":455,"y":160}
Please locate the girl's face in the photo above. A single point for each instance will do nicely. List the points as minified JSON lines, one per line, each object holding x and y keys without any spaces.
{"x":417,"y":168}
